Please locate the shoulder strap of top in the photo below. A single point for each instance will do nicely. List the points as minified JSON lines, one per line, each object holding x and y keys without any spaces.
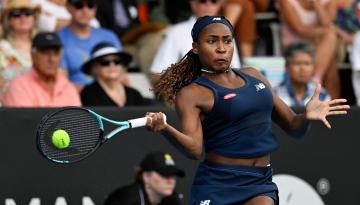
{"x":205,"y":82}
{"x":244,"y":75}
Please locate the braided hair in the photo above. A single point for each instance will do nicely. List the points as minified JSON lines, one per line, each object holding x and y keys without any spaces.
{"x":177,"y":76}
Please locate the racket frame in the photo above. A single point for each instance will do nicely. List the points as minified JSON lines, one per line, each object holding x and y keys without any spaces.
{"x":123,"y":125}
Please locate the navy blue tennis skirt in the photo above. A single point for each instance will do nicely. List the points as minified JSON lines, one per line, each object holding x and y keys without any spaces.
{"x":217,"y":184}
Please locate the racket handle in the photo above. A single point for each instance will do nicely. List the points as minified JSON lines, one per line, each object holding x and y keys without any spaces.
{"x":138,"y":122}
{"x":141,"y":122}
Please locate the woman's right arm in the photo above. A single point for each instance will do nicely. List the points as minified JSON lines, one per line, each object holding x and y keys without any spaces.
{"x":190,"y":138}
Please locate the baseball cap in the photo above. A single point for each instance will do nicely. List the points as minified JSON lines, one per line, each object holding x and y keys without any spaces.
{"x":162,"y":163}
{"x":46,"y":40}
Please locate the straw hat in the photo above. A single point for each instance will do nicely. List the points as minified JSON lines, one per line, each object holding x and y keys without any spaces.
{"x":18,"y":4}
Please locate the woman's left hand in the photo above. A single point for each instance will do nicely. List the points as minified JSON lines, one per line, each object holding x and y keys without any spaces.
{"x":319,"y":110}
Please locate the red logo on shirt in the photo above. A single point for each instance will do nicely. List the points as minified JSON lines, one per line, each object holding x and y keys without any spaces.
{"x":229,"y":96}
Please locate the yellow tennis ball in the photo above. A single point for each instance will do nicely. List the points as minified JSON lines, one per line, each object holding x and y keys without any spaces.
{"x":60,"y":139}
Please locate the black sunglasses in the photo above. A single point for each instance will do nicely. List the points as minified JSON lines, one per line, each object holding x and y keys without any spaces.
{"x":204,"y":1}
{"x":104,"y":62}
{"x":21,"y":12}
{"x":81,"y":4}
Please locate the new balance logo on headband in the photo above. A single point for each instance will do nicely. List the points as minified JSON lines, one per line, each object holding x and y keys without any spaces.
{"x":216,"y":19}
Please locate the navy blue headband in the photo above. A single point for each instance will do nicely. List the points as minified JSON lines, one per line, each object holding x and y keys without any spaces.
{"x":204,"y":21}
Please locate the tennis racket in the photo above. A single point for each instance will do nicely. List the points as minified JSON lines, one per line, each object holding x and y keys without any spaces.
{"x":84,"y":130}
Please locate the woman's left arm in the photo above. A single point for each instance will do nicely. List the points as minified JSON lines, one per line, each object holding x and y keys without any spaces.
{"x":296,"y":124}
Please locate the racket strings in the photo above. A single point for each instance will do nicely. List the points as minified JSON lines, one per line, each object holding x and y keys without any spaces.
{"x":82,"y":128}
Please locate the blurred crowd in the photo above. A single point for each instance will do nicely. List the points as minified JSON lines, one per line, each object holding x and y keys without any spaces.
{"x":83,"y":52}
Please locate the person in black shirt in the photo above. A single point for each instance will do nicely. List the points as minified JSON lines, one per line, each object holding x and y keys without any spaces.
{"x":154,"y":185}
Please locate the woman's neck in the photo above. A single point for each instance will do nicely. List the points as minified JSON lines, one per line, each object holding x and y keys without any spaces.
{"x":115,"y":90}
{"x":21,"y":43}
{"x":153,"y":196}
{"x":20,"y":37}
{"x":110,"y":84}
{"x":206,"y":70}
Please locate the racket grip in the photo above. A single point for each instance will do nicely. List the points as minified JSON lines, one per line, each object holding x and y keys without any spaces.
{"x":138,"y":122}
{"x":141,"y":122}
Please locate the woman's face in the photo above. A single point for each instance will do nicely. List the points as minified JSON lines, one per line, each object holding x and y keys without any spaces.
{"x":215,"y":47}
{"x":108,"y":68}
{"x":21,"y":20}
{"x":301,"y":68}
{"x":160,"y":184}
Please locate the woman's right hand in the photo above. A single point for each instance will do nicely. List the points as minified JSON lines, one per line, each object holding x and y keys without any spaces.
{"x":156,"y":121}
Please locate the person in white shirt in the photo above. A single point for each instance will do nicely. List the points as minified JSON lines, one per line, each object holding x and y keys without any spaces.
{"x":178,"y":39}
{"x":54,"y":15}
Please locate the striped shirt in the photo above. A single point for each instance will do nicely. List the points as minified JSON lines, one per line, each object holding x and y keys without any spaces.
{"x":286,"y":92}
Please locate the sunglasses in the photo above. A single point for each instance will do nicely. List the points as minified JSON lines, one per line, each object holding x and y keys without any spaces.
{"x":81,"y":4}
{"x":21,"y":12}
{"x":205,"y":1}
{"x":104,"y":62}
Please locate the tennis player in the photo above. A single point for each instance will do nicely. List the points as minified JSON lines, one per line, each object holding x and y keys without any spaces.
{"x":230,"y":112}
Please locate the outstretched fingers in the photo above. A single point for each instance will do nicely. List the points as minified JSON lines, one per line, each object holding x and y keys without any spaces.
{"x":337,"y":101}
{"x":326,"y":123}
{"x":343,"y":112}
{"x":336,"y":109}
{"x":339,"y":107}
{"x":317,"y":91}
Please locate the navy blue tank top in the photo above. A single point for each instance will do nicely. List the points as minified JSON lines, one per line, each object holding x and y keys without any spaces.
{"x":239,"y":124}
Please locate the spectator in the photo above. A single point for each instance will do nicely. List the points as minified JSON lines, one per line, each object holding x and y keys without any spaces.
{"x":312,"y":21}
{"x":44,"y":85}
{"x":347,"y":22}
{"x":241,"y":14}
{"x":154,"y":183}
{"x":140,"y":25}
{"x":107,"y":65}
{"x":54,"y":15}
{"x":297,"y":88}
{"x":177,"y":11}
{"x":18,"y":24}
{"x":123,"y":16}
{"x":118,"y":15}
{"x":79,"y":38}
{"x":178,"y":40}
